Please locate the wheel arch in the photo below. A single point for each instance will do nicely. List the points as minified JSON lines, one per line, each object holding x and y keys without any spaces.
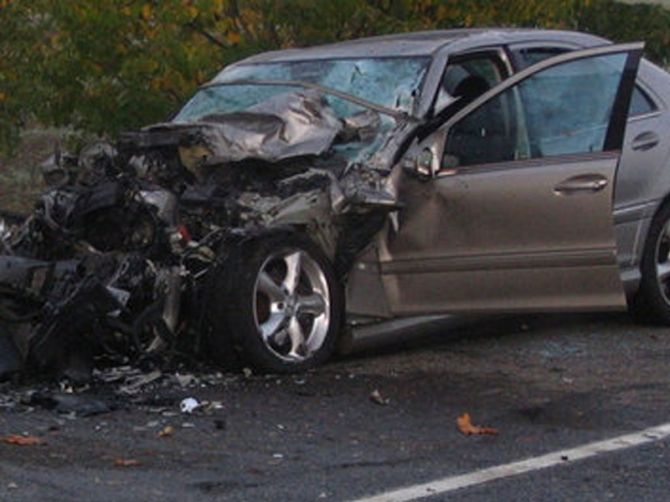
{"x":655,"y":207}
{"x":233,"y":282}
{"x":631,"y":273}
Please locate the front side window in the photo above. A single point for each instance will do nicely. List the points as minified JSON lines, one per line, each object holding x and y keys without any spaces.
{"x":468,"y":77}
{"x":562,"y":110}
{"x":640,"y":103}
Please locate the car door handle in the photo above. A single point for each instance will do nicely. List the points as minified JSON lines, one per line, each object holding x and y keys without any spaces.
{"x":590,"y":183}
{"x":645,"y":141}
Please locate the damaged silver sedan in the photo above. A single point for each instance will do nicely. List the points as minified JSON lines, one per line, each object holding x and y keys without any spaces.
{"x":304,"y":192}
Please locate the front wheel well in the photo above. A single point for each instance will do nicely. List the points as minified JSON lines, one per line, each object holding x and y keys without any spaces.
{"x":254,"y":309}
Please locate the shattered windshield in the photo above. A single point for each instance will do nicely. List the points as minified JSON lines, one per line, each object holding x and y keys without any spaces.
{"x":390,"y":82}
{"x":228,"y":99}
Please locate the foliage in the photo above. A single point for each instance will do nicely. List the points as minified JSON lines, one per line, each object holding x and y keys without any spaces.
{"x":103,"y":66}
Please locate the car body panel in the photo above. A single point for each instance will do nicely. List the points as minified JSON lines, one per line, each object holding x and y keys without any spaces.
{"x":643,"y":179}
{"x":502,"y":236}
{"x":499,"y":238}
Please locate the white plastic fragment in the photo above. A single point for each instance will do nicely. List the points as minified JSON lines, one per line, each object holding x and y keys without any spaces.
{"x":189,"y":405}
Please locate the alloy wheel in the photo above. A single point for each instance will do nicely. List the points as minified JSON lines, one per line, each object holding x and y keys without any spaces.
{"x":292,"y":305}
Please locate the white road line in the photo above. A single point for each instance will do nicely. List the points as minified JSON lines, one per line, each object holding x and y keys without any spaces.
{"x":563,"y":457}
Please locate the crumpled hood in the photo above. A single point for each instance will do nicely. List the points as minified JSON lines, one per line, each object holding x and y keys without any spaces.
{"x":285,"y":126}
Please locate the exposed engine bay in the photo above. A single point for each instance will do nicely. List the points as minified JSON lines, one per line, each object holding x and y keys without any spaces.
{"x":120,"y":252}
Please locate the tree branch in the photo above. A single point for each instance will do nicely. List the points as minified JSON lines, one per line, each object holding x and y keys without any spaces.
{"x":209,"y":36}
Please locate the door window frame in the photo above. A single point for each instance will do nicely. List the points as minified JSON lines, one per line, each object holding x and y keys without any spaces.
{"x":615,"y":132}
{"x":519,"y":64}
{"x":497,"y":54}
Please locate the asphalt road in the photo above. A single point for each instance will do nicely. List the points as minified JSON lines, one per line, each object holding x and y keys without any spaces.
{"x":546,"y":383}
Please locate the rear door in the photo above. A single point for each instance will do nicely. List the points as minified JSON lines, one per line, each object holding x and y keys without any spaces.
{"x":645,"y":148}
{"x":517,"y":212}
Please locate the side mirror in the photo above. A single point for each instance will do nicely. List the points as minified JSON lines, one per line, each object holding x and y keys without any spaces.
{"x":422,"y":165}
{"x":449,"y":163}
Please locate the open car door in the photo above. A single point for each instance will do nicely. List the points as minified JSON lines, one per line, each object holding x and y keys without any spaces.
{"x":508,"y":206}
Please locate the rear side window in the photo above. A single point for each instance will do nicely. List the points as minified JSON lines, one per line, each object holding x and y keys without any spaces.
{"x":640,"y":103}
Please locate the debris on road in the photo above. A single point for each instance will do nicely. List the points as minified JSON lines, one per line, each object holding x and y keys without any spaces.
{"x":189,"y":405}
{"x":20,"y":440}
{"x":186,"y":380}
{"x":166,"y":431}
{"x":377,"y":398}
{"x":126,"y":462}
{"x":215,"y":405}
{"x":134,"y":383}
{"x":465,"y":426}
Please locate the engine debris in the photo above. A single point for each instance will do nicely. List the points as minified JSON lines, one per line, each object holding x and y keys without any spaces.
{"x":118,"y":256}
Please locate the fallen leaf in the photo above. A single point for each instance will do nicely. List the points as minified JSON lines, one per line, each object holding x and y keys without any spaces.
{"x":166,"y":431}
{"x":377,"y":398}
{"x":466,"y":427}
{"x":126,"y":462}
{"x":19,"y":440}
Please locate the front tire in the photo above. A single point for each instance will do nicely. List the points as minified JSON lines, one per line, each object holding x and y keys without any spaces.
{"x":652,"y":302}
{"x":283,"y":304}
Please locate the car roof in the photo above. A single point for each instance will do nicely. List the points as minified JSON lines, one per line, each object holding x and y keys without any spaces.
{"x":422,"y":43}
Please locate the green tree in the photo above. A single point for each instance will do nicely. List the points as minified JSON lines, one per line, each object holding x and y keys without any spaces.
{"x":100,"y":67}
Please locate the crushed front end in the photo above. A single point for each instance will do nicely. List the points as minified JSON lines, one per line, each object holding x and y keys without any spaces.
{"x":118,"y":255}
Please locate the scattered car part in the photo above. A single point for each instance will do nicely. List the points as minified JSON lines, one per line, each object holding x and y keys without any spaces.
{"x":189,"y":405}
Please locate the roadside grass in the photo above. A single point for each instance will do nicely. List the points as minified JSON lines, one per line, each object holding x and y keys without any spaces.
{"x":20,"y":175}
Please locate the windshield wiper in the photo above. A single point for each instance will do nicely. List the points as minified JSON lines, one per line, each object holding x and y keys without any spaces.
{"x":396,"y":114}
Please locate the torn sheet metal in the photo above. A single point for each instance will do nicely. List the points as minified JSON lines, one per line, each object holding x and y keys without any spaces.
{"x":118,"y":254}
{"x":284,"y":126}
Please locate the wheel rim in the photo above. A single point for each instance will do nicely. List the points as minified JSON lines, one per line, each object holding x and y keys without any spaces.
{"x":292,"y":305}
{"x":663,"y":262}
